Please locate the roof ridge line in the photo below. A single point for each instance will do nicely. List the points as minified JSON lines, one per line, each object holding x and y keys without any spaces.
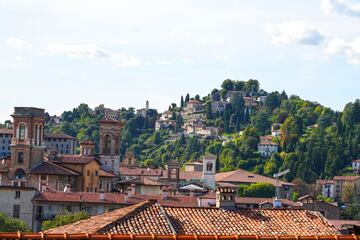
{"x":57,"y":165}
{"x":166,"y":218}
{"x":128,"y":215}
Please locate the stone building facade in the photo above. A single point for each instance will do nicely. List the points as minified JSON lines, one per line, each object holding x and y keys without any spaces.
{"x":64,"y":143}
{"x":16,"y":202}
{"x":109,"y":144}
{"x":5,"y":141}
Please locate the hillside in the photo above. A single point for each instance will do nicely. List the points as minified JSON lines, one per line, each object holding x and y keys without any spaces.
{"x":316,"y":142}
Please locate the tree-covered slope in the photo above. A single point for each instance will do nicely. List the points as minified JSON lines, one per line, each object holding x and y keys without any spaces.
{"x":316,"y":141}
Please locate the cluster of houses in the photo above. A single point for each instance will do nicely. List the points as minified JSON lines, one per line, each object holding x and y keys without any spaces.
{"x":44,"y":176}
{"x":193,"y":113}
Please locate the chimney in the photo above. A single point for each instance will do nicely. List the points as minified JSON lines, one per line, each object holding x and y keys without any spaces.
{"x":67,"y":188}
{"x":133,"y":189}
{"x":165,"y":192}
{"x":102,"y":196}
{"x":126,"y":198}
{"x":277,"y":203}
{"x":225,"y":196}
{"x":192,"y":194}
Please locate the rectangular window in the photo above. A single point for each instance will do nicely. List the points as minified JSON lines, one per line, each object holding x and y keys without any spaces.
{"x":88,"y":172}
{"x":43,"y":177}
{"x":16,"y":211}
{"x":87,"y":210}
{"x":96,"y":173}
{"x":17,"y":195}
{"x":20,"y":157}
{"x":68,"y":208}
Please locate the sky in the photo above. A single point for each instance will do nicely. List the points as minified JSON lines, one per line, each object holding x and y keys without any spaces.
{"x":58,"y":54}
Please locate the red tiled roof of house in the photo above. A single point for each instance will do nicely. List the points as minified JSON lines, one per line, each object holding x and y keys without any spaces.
{"x":324,"y":181}
{"x":126,"y":219}
{"x":103,"y":173}
{"x":50,"y":168}
{"x":6,"y":131}
{"x":346,"y":178}
{"x":139,"y":171}
{"x":186,"y":175}
{"x":87,"y":142}
{"x":74,"y":159}
{"x":143,"y":181}
{"x":242,"y":176}
{"x":58,"y":135}
{"x":114,"y":198}
{"x":357,"y":161}
{"x":268,"y":143}
{"x":152,"y":218}
{"x":97,"y":236}
{"x":339,"y":224}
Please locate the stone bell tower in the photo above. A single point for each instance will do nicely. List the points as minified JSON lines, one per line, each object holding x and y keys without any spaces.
{"x":27,"y":145}
{"x":109,"y":144}
{"x":209,"y":170}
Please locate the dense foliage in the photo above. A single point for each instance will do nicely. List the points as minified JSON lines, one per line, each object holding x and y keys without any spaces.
{"x":265,"y":190}
{"x":9,"y":224}
{"x":317,"y":142}
{"x":64,"y":219}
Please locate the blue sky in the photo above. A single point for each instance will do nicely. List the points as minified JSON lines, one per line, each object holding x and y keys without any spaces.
{"x":58,"y":54}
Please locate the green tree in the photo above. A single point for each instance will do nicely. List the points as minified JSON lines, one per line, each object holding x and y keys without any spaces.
{"x":63,"y":219}
{"x":9,"y":224}
{"x":187,"y":98}
{"x":227,"y":85}
{"x":182,"y":102}
{"x":265,"y":190}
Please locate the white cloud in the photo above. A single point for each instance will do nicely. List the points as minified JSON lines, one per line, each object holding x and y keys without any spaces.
{"x":298,"y":32}
{"x":341,"y":7}
{"x":77,"y":50}
{"x":17,"y":43}
{"x":92,"y":51}
{"x":351,"y":50}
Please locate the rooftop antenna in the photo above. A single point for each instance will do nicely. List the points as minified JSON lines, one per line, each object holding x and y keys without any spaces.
{"x":277,"y":187}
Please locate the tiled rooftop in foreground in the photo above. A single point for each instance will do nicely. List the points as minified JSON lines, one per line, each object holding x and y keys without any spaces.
{"x":151,"y":218}
{"x":86,"y":236}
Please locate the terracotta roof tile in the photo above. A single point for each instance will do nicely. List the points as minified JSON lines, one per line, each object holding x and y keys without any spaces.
{"x":87,"y":236}
{"x":324,"y":181}
{"x":144,"y":181}
{"x":6,"y":131}
{"x":247,"y":221}
{"x":186,"y":175}
{"x":74,"y":159}
{"x":346,"y":178}
{"x":103,"y":173}
{"x":242,"y":176}
{"x":50,"y":168}
{"x":151,"y":218}
{"x":114,"y":198}
{"x":137,"y":171}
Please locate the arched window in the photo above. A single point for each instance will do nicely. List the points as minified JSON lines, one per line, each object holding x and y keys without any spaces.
{"x":40,"y":134}
{"x":36,"y":135}
{"x":107,"y":144}
{"x":22,"y":131}
{"x":20,"y":173}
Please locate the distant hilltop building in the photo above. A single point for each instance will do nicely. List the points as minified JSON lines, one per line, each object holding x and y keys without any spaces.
{"x":266,"y":146}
